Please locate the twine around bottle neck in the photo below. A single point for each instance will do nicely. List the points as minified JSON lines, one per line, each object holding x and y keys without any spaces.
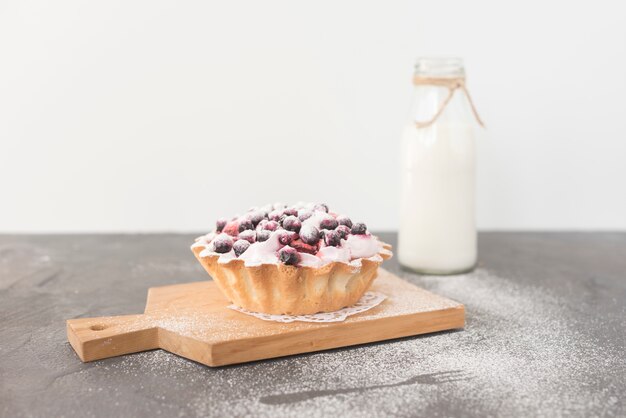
{"x":452,"y":84}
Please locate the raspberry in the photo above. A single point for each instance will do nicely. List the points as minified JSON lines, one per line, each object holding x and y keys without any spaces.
{"x":343,"y":231}
{"x":222,"y":243}
{"x":291,"y":223}
{"x":289,"y":256}
{"x":245,"y":224}
{"x":220,"y":224}
{"x":248,"y":235}
{"x":240,"y":247}
{"x":332,"y":238}
{"x":309,"y":234}
{"x":359,"y":228}
{"x":232,"y":228}
{"x":302,"y":247}
{"x":262,"y":235}
{"x":344,"y":220}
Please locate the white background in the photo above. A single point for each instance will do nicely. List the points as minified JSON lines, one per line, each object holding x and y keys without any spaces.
{"x":163,"y":115}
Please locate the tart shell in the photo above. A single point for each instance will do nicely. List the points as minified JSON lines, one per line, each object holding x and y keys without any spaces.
{"x":281,"y":289}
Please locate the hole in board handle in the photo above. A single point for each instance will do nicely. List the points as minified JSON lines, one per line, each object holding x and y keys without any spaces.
{"x":97,"y":327}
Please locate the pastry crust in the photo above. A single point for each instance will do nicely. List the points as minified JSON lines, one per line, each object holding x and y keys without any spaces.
{"x":281,"y":289}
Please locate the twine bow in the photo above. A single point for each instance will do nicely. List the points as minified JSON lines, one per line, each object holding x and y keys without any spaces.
{"x":452,"y":84}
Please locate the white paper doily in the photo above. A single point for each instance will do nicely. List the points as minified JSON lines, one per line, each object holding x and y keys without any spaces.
{"x":368,"y":301}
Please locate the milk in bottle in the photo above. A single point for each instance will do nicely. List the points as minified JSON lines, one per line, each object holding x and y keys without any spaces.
{"x":437,"y":231}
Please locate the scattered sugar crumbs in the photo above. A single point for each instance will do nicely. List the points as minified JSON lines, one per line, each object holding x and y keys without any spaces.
{"x":522,"y":353}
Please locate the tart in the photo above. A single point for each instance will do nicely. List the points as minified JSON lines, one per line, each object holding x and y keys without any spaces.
{"x":297,"y":260}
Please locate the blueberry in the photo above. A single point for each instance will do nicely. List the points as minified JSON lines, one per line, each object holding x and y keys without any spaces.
{"x":303,"y":215}
{"x":222,"y":243}
{"x":322,"y":207}
{"x":343,"y":231}
{"x":256,"y":217}
{"x":245,"y":224}
{"x":248,"y":235}
{"x":240,"y":247}
{"x":328,"y":223}
{"x":332,"y":238}
{"x":220,"y":224}
{"x":289,"y":256}
{"x":309,"y":234}
{"x":284,"y":237}
{"x":290,"y":212}
{"x":291,"y":223}
{"x":275,"y":215}
{"x":359,"y":228}
{"x":262,"y":235}
{"x":271,"y":226}
{"x":344,"y":220}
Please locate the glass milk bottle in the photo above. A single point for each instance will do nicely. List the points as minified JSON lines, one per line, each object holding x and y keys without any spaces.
{"x":437,"y":232}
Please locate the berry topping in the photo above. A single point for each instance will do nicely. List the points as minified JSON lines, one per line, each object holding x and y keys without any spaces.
{"x":289,"y":256}
{"x":359,"y":228}
{"x":291,"y":223}
{"x":232,"y":228}
{"x":256,"y":217}
{"x":240,"y":247}
{"x":285,"y":237}
{"x":248,"y":235}
{"x":328,"y":223}
{"x":220,"y":224}
{"x":303,"y":215}
{"x":275,"y":215}
{"x":222,"y":243}
{"x":271,"y":226}
{"x":344,"y":220}
{"x":296,"y":230}
{"x":245,"y":224}
{"x":309,"y":234}
{"x":343,"y":231}
{"x":263,"y":235}
{"x":322,"y":207}
{"x":332,"y":238}
{"x":303,"y":247}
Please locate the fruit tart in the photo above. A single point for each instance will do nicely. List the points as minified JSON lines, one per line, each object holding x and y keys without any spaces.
{"x":295,"y":260}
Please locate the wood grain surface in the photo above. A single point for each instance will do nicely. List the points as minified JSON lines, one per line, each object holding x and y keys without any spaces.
{"x":193,"y":321}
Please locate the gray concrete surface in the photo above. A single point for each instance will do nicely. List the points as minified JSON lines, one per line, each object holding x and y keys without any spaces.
{"x":545,"y":336}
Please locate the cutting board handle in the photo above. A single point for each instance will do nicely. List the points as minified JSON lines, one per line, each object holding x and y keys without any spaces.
{"x":110,"y":336}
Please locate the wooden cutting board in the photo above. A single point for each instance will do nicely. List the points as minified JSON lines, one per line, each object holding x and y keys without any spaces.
{"x":193,"y":321}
